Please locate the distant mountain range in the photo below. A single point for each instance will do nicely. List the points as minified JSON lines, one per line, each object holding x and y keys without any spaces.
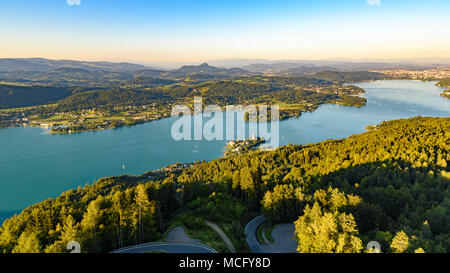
{"x":74,"y":73}
{"x":33,"y":68}
{"x":358,"y":64}
{"x":309,"y":67}
{"x":43,"y":65}
{"x":205,"y":69}
{"x":246,"y":63}
{"x":46,"y":65}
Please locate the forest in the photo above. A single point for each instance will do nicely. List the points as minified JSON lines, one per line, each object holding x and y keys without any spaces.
{"x":390,"y":184}
{"x":444,"y":83}
{"x":246,"y":90}
{"x":12,"y":96}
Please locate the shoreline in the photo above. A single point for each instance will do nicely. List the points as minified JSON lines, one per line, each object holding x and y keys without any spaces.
{"x":281,"y":118}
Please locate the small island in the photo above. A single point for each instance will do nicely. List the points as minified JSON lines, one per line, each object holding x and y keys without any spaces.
{"x":239,"y":147}
{"x":446,"y":84}
{"x":446,"y":94}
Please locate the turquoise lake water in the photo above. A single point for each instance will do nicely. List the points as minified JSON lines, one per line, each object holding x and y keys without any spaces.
{"x":36,"y":165}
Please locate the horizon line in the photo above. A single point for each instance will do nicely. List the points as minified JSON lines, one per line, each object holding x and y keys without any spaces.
{"x":256,"y":60}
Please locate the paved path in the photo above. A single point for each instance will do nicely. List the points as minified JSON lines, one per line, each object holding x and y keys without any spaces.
{"x":179,"y":235}
{"x":222,"y":235}
{"x":166,"y":247}
{"x":284,"y":241}
{"x":283,"y":236}
{"x":177,"y":241}
{"x":250,"y":232}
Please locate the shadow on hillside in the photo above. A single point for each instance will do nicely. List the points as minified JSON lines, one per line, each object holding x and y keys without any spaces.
{"x":395,"y":193}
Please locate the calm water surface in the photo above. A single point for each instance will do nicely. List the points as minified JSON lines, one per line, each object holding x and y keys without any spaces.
{"x":35,"y":165}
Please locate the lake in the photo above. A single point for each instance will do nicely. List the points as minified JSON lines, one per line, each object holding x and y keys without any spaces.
{"x":36,"y":165}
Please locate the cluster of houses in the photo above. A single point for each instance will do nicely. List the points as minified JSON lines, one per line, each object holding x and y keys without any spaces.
{"x":170,"y":169}
{"x":13,"y":119}
{"x":240,"y":146}
{"x":434,"y":74}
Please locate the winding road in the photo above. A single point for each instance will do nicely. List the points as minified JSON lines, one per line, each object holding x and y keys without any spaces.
{"x":166,"y":247}
{"x":283,"y":236}
{"x":177,"y":241}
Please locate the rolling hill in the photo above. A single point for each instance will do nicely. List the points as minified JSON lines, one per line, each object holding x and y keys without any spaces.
{"x":40,"y":64}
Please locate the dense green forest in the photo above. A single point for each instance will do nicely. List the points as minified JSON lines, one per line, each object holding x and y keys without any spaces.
{"x":246,"y":90}
{"x":444,"y":83}
{"x":12,"y":96}
{"x":110,"y":97}
{"x":390,"y":184}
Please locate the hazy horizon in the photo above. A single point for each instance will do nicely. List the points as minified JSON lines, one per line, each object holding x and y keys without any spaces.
{"x":240,"y":62}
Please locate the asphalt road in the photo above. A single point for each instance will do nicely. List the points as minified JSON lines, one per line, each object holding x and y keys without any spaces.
{"x":250,"y":232}
{"x":283,"y":236}
{"x":178,"y":235}
{"x":166,"y":247}
{"x":177,"y":241}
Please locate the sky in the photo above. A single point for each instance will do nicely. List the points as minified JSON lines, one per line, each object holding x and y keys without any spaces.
{"x":198,"y":30}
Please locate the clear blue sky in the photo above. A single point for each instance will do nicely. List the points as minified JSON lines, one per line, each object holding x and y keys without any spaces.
{"x":145,"y":31}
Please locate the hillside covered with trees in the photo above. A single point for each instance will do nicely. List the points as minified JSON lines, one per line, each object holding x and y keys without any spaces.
{"x":390,"y":185}
{"x":446,"y":84}
{"x":12,"y":96}
{"x":244,"y":90}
